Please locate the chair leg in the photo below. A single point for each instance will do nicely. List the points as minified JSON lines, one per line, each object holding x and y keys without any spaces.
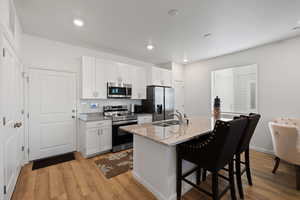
{"x":204,"y":174}
{"x":198,"y":176}
{"x":277,"y":161}
{"x":178,"y":178}
{"x":239,"y":175}
{"x":231,"y":180}
{"x":298,"y":177}
{"x":247,"y":164}
{"x":215,"y":186}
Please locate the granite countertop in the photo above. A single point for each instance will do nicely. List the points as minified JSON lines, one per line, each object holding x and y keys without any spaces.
{"x":175,"y":134}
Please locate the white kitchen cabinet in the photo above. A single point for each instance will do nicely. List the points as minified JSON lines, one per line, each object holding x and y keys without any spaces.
{"x":139,"y":83}
{"x":92,"y":141}
{"x":105,"y":72}
{"x":111,"y":73}
{"x":96,"y":73}
{"x":95,"y":137}
{"x":88,"y":78}
{"x":160,"y":76}
{"x":124,"y":73}
{"x":105,"y":138}
{"x":144,"y":118}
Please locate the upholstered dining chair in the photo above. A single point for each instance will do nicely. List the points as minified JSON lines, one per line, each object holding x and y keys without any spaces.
{"x":286,"y":143}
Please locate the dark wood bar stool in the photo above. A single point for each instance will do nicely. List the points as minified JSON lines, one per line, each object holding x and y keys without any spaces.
{"x":244,"y":148}
{"x":211,"y":154}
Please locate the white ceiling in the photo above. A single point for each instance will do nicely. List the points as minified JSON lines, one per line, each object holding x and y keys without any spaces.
{"x":125,"y":26}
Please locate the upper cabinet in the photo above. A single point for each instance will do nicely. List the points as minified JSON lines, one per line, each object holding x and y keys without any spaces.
{"x":139,"y":83}
{"x":88,"y":78}
{"x":95,"y":73}
{"x":124,"y":73}
{"x":159,"y":76}
{"x":105,"y":72}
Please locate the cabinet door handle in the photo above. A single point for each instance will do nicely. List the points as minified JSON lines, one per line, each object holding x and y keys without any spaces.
{"x":98,"y":132}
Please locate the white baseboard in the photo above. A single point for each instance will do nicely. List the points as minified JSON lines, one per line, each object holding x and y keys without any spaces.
{"x":260,"y":149}
{"x":157,"y":194}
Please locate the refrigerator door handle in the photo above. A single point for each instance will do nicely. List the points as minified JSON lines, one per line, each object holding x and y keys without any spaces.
{"x":159,"y":108}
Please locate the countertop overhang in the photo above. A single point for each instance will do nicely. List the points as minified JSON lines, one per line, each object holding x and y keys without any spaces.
{"x":174,"y":134}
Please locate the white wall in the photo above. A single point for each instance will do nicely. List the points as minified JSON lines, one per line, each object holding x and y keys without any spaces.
{"x":278,"y":84}
{"x":14,"y":38}
{"x":48,"y":54}
{"x":43,"y":53}
{"x":86,"y":108}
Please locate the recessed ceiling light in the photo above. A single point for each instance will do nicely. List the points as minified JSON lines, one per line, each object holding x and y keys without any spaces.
{"x":150,"y":47}
{"x":173,"y":12}
{"x":185,"y":60}
{"x":206,"y":35}
{"x":78,"y":22}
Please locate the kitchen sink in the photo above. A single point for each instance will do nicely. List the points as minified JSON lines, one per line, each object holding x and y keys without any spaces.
{"x":167,"y":123}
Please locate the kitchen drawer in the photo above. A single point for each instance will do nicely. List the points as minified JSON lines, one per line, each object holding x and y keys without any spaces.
{"x":97,"y":124}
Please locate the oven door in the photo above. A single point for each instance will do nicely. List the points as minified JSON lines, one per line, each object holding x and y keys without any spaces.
{"x":120,"y":137}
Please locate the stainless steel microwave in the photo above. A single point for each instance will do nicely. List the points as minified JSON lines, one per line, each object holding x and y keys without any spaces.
{"x":119,"y":90}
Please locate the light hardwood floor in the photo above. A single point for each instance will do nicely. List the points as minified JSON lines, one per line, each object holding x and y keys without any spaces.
{"x":80,"y":179}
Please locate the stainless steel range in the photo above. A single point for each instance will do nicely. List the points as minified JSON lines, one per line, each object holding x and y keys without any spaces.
{"x":121,"y":116}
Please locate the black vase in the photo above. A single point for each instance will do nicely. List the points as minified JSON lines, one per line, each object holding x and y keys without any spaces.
{"x":217,"y":108}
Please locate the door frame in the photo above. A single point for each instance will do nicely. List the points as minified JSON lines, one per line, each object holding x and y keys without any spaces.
{"x":6,"y":43}
{"x":27,"y":99}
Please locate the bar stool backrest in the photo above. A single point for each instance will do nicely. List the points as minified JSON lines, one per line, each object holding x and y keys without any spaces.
{"x":227,"y":139}
{"x":248,"y":132}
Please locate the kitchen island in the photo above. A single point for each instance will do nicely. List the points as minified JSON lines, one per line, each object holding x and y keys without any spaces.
{"x":154,"y":157}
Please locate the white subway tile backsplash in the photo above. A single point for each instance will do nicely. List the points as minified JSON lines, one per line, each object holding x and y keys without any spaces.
{"x":93,"y":106}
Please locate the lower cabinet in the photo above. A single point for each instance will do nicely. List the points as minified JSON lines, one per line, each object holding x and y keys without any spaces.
{"x":95,"y":137}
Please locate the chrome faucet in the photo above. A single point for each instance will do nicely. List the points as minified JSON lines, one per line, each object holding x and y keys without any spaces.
{"x":178,"y":115}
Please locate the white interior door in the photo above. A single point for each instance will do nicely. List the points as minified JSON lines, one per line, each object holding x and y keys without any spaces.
{"x":179,"y":96}
{"x":11,"y":118}
{"x":52,"y":120}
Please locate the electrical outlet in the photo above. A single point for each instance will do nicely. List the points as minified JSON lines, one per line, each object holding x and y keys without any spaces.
{"x":94,"y":105}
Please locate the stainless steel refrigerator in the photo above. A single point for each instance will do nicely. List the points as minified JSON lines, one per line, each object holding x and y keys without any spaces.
{"x":160,"y":102}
